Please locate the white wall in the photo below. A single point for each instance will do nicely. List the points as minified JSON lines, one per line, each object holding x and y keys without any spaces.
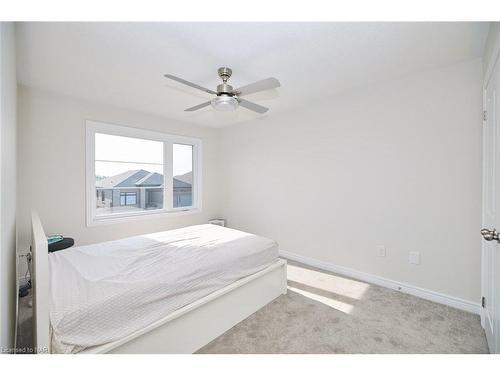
{"x":51,"y":159}
{"x":7,"y":185}
{"x":397,"y":164}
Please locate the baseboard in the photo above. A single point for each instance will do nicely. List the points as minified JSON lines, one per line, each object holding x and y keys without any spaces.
{"x":430,"y":295}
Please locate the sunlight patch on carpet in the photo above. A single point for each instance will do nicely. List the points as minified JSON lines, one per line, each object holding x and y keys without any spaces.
{"x":338,"y":285}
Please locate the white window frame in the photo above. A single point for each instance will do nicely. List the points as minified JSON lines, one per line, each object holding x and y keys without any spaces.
{"x":93,"y":127}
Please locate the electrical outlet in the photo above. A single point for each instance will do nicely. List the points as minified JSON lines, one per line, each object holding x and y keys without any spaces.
{"x":381,"y":251}
{"x":414,"y":257}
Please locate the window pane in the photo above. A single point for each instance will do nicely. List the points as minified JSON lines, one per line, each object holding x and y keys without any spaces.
{"x":130,"y":178}
{"x":128,"y":199}
{"x":183,"y":175}
{"x":131,"y":198}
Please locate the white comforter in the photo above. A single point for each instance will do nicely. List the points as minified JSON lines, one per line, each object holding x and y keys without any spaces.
{"x":103,"y":292}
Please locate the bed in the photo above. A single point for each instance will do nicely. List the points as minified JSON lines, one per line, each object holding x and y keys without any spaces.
{"x":166,"y":292}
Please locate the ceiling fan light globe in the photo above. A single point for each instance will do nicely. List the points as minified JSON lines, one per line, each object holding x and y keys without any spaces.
{"x":224,"y":103}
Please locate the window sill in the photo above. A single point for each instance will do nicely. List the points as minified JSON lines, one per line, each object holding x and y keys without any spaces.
{"x":117,"y":218}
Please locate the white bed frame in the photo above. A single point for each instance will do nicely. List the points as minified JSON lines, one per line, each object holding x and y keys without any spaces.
{"x":185,"y":330}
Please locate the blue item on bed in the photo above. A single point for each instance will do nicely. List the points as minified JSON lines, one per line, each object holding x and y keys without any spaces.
{"x":54,"y":238}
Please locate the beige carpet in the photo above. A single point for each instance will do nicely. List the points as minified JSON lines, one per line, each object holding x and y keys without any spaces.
{"x":326,"y":313}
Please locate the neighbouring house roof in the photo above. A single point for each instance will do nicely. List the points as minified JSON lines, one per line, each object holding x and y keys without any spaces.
{"x":180,"y":184}
{"x":113,"y":181}
{"x":150,"y":179}
{"x":133,"y":180}
{"x":186,"y":178}
{"x":142,"y":178}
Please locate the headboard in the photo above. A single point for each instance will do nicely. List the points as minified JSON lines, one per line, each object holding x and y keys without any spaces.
{"x":40,"y":285}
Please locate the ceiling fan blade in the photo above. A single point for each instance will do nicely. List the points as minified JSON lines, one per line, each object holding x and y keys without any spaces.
{"x":252,"y":106}
{"x":265,"y":84}
{"x":191,"y":84}
{"x":196,"y":107}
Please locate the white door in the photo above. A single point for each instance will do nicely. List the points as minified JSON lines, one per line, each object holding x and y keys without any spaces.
{"x":491,"y":213}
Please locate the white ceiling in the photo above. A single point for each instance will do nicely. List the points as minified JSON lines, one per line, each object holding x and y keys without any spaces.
{"x":123,"y":63}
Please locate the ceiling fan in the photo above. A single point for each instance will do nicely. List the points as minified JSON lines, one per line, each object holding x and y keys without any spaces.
{"x":228,"y":99}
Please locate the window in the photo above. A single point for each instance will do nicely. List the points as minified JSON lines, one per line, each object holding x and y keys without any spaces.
{"x":134,"y":173}
{"x":128,"y":199}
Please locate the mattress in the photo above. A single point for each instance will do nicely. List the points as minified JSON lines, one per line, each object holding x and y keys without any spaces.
{"x":101,"y":293}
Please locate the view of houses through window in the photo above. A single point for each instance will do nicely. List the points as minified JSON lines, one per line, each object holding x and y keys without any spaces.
{"x":183,"y":175}
{"x":129,"y":174}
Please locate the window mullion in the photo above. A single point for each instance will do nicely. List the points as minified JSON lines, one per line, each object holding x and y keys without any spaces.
{"x":168,"y":173}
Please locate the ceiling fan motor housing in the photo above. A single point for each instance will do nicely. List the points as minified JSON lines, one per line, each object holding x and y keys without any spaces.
{"x":224,"y":89}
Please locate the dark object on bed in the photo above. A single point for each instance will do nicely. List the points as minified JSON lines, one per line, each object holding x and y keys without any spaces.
{"x":25,"y":289}
{"x":61,"y":245}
